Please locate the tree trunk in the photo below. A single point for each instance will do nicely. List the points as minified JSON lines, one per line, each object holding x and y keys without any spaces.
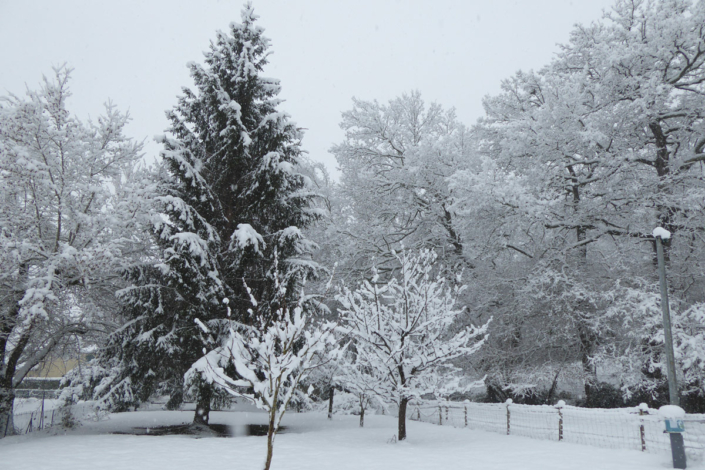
{"x":586,"y":345}
{"x":270,"y":439}
{"x":495,"y":393}
{"x":203,"y":405}
{"x":7,"y":397}
{"x":663,"y":170}
{"x":9,"y":357}
{"x":362,"y":416}
{"x":453,"y":236}
{"x":176,"y":398}
{"x":552,"y":390}
{"x":330,"y":402}
{"x":402,"y":418}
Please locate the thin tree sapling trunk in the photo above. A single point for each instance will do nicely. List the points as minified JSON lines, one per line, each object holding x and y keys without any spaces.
{"x":271,"y":432}
{"x":330,"y":402}
{"x":402,"y":418}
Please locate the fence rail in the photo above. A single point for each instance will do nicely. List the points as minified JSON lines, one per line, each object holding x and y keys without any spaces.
{"x":621,"y":428}
{"x":37,"y":393}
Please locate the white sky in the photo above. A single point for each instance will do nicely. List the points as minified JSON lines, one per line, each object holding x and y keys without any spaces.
{"x":325,"y":52}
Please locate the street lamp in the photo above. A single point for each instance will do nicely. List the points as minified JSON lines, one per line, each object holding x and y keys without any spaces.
{"x":677,"y":448}
{"x":664,"y":236}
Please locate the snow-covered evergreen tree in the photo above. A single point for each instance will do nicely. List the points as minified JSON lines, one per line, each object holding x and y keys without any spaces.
{"x":234,"y":206}
{"x":406,"y":331}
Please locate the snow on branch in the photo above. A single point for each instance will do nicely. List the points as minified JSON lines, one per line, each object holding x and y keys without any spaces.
{"x":245,"y":236}
{"x":270,"y":359}
{"x":404,"y":330}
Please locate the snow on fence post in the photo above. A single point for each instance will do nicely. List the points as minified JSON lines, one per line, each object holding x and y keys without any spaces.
{"x":508,"y":402}
{"x":642,"y":408}
{"x":466,"y":413}
{"x":440,"y":415}
{"x":560,"y":406}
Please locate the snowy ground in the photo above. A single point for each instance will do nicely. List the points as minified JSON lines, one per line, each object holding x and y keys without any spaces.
{"x":311,"y":442}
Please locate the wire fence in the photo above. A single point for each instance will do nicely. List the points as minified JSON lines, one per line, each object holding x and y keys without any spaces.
{"x":45,"y":417}
{"x":638,"y":428}
{"x":37,"y":393}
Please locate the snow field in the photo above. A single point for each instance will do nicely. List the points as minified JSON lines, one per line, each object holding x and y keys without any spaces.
{"x":311,"y":442}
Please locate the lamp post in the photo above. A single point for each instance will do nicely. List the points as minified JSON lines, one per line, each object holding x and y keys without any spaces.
{"x":677,"y":447}
{"x":660,"y":235}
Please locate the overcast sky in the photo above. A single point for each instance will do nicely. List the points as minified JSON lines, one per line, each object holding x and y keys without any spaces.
{"x":325,"y":52}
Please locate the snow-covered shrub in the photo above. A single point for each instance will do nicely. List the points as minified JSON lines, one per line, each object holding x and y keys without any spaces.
{"x":68,"y":419}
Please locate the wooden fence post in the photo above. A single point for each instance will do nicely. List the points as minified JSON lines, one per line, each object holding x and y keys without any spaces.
{"x":41,"y":418}
{"x":29,"y":426}
{"x":560,"y":406}
{"x":440,"y":415}
{"x":418,"y":414}
{"x":642,"y":407}
{"x":446,"y":413}
{"x":466,"y":416}
{"x":508,"y":402}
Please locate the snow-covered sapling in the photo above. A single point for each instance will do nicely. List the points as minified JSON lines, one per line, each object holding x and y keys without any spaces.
{"x":405,"y":330}
{"x":360,"y":380}
{"x":270,"y":359}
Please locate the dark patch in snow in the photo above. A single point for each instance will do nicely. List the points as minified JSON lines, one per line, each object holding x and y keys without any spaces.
{"x":261,"y":429}
{"x":198,"y":431}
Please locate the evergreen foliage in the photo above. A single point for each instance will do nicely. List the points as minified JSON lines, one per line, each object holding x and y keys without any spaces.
{"x":233,"y":206}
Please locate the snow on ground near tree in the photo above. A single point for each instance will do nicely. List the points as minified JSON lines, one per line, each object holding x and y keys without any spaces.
{"x":311,"y":442}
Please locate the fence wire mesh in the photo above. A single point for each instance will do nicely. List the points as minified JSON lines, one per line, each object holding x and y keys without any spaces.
{"x":622,"y":428}
{"x":44,"y":418}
